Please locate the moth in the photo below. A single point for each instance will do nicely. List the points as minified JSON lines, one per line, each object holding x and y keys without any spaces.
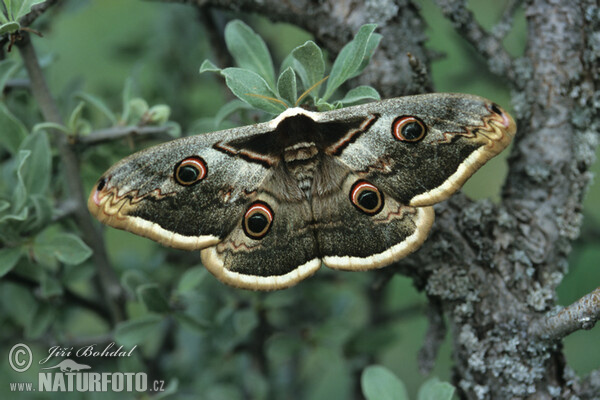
{"x":266,"y":204}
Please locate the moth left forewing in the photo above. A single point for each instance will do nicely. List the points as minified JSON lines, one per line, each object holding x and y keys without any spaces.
{"x":462,"y":133}
{"x":142,"y":195}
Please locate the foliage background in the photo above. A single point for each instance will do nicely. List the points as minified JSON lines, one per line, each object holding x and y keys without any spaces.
{"x":312,"y":338}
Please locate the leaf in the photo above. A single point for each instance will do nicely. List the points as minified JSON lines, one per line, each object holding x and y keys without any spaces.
{"x":19,"y":196}
{"x":42,"y":213}
{"x":36,"y":171}
{"x":135,"y":331}
{"x":7,"y":70}
{"x":13,"y":130}
{"x":208,"y":66}
{"x":50,"y":286}
{"x":369,"y":51}
{"x":99,"y":105}
{"x":23,"y":7}
{"x":359,"y":94}
{"x":191,"y":323}
{"x":9,"y":27}
{"x":249,"y":51}
{"x":126,"y":98}
{"x":9,"y":257}
{"x":379,"y":383}
{"x":228,"y":109}
{"x":433,"y":389}
{"x":349,"y":59}
{"x":64,"y":247}
{"x":251,"y":88}
{"x":153,"y":299}
{"x":309,"y":63}
{"x":40,"y":320}
{"x":49,"y":126}
{"x":191,"y":279}
{"x":286,"y":86}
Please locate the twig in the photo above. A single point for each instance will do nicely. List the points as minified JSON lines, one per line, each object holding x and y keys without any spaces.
{"x":109,"y":284}
{"x":501,"y":29}
{"x":490,"y":47}
{"x":583,"y":314}
{"x":119,"y":132}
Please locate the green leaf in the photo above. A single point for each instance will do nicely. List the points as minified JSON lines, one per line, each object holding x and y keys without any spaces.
{"x":40,"y":320}
{"x":191,"y":279}
{"x":64,"y":247}
{"x":248,"y":86}
{"x":136,"y":331}
{"x":159,"y":114}
{"x":358,"y":94}
{"x":50,"y":126}
{"x":42,"y":213}
{"x":99,"y":105}
{"x":433,"y":389}
{"x":50,"y":286}
{"x":132,"y":279}
{"x":126,"y":98}
{"x":310,"y":65}
{"x":9,"y":257}
{"x":38,"y":168}
{"x":369,"y":51}
{"x":9,"y":27}
{"x":13,"y":130}
{"x":19,"y":196}
{"x":191,"y":323}
{"x":208,"y":66}
{"x":7,"y":70}
{"x":138,"y":107}
{"x":249,"y":51}
{"x":228,"y":109}
{"x":379,"y":383}
{"x":286,"y":86}
{"x":349,"y":60}
{"x":23,"y":7}
{"x":153,"y":299}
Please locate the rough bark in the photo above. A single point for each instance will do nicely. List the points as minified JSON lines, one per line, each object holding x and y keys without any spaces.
{"x":494,"y":268}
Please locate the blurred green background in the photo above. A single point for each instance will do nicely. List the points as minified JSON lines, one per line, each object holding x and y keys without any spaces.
{"x":96,"y":46}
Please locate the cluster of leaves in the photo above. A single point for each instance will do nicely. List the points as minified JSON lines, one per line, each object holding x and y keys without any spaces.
{"x":254,"y":83}
{"x":11,"y":11}
{"x":379,"y":383}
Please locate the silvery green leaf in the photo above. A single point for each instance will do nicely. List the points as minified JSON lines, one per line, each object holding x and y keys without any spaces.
{"x":286,"y":86}
{"x":208,"y":66}
{"x":74,"y":117}
{"x":310,"y":65}
{"x":9,"y":257}
{"x":434,"y":389}
{"x":13,"y":130}
{"x":249,"y":51}
{"x":7,"y":70}
{"x":228,"y":109}
{"x":23,"y":7}
{"x":135,"y":331}
{"x":369,"y":51}
{"x":248,"y":86}
{"x":19,"y":195}
{"x":151,"y":296}
{"x":349,"y":59}
{"x":99,"y":105}
{"x":37,"y":169}
{"x":379,"y":383}
{"x":64,"y":247}
{"x":358,"y":94}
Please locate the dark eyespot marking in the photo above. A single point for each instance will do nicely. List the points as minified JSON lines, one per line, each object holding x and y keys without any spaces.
{"x":101,"y":184}
{"x":496,"y":108}
{"x":190,"y":170}
{"x":257,"y":220}
{"x":366,"y":197}
{"x":408,"y":129}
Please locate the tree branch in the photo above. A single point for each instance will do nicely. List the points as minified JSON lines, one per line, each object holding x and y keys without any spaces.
{"x":37,"y":11}
{"x":583,"y":314}
{"x":118,"y":132}
{"x":490,"y":47}
{"x":108,"y":281}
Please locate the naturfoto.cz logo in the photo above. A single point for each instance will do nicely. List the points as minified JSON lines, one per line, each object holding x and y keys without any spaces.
{"x":69,"y":375}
